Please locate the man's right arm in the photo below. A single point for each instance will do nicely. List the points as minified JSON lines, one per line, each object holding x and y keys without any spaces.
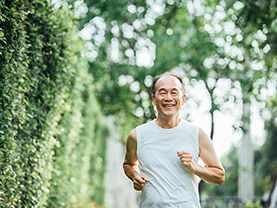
{"x":130,"y":164}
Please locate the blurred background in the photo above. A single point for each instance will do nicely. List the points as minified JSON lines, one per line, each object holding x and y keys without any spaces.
{"x":76,"y":78}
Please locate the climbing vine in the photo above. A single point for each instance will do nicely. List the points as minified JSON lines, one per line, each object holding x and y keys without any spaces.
{"x":40,"y":80}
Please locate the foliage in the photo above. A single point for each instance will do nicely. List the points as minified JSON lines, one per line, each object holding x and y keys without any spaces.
{"x":79,"y":159}
{"x":265,"y":173}
{"x":39,"y":82}
{"x":259,"y":31}
{"x":210,"y":42}
{"x":123,"y":83}
{"x":253,"y":205}
{"x":31,"y":76}
{"x":122,"y":88}
{"x":176,"y":38}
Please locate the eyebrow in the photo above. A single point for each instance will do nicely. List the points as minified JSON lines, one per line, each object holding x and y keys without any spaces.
{"x":172,"y":89}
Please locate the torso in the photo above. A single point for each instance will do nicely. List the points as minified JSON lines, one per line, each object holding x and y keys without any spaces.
{"x":171,"y":184}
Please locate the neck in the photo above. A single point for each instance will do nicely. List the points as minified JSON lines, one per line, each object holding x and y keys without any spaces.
{"x":168,"y":123}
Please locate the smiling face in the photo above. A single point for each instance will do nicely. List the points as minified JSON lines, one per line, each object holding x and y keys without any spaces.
{"x":169,"y":97}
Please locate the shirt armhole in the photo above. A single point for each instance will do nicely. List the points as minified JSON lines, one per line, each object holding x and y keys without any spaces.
{"x":138,"y":140}
{"x":197,"y":143}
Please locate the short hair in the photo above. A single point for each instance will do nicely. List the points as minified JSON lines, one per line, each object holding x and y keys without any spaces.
{"x":166,"y":74}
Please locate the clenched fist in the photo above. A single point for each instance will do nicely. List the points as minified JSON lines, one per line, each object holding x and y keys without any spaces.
{"x":140,"y":182}
{"x":187,"y":160}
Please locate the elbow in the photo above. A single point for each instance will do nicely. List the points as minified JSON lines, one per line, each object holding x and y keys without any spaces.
{"x":221,"y":178}
{"x":220,"y":181}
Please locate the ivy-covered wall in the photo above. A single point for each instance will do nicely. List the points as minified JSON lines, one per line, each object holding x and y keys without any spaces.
{"x":52,"y":135}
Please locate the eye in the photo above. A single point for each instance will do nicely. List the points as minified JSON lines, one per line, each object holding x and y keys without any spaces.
{"x":174,"y":92}
{"x":162,"y":92}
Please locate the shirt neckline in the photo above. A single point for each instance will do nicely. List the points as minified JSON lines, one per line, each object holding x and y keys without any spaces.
{"x":167,"y":130}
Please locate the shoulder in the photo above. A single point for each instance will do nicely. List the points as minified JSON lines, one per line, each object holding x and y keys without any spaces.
{"x":187,"y":123}
{"x":202,"y":132}
{"x":190,"y":126}
{"x":203,"y":136}
{"x":145,"y":125}
{"x":205,"y":142}
{"x":132,"y":135}
{"x":145,"y":129}
{"x":131,"y":142}
{"x":131,"y":147}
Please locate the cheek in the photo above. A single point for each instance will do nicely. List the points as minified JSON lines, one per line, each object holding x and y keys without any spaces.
{"x":157,"y":101}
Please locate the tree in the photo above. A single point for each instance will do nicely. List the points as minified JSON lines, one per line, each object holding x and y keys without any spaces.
{"x":209,"y":42}
{"x":266,"y":173}
{"x":259,"y":42}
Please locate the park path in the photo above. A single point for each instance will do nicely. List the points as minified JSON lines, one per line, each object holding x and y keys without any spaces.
{"x":120,"y":192}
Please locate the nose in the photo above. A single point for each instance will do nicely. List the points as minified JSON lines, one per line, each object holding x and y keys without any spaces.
{"x":168,"y":96}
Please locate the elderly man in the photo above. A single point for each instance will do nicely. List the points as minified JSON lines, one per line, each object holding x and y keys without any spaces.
{"x":167,"y":150}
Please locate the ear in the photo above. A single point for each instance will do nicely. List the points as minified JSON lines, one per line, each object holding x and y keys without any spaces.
{"x":153,"y":99}
{"x":184,"y":99}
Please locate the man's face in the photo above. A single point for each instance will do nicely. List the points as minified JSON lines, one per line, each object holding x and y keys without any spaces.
{"x":169,"y":97}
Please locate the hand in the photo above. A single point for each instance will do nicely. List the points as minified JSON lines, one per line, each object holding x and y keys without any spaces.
{"x":140,"y":182}
{"x":187,"y":160}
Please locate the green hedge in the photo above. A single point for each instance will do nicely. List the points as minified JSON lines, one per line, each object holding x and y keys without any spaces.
{"x":47,"y":153}
{"x":79,"y":162}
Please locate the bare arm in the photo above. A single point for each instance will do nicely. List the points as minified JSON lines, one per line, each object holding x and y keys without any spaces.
{"x":130,"y":164}
{"x":213,"y":172}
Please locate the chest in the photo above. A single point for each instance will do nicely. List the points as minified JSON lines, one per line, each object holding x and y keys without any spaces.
{"x":160,"y":150}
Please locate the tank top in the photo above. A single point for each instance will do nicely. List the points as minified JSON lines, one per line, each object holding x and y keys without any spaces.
{"x":171,"y":184}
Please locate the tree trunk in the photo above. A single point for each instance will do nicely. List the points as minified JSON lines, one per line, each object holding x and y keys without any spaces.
{"x":272,"y":199}
{"x":246,"y":158}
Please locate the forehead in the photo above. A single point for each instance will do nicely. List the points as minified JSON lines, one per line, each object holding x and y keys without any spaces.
{"x":168,"y":82}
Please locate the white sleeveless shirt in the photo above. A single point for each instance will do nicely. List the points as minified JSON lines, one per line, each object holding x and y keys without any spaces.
{"x":171,"y":184}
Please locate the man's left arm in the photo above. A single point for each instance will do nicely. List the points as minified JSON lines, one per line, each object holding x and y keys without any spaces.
{"x":213,"y":172}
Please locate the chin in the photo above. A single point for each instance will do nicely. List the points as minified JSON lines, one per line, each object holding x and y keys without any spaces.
{"x":168,"y":115}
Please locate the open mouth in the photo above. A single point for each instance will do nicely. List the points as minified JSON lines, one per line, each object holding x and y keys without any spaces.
{"x":168,"y":105}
